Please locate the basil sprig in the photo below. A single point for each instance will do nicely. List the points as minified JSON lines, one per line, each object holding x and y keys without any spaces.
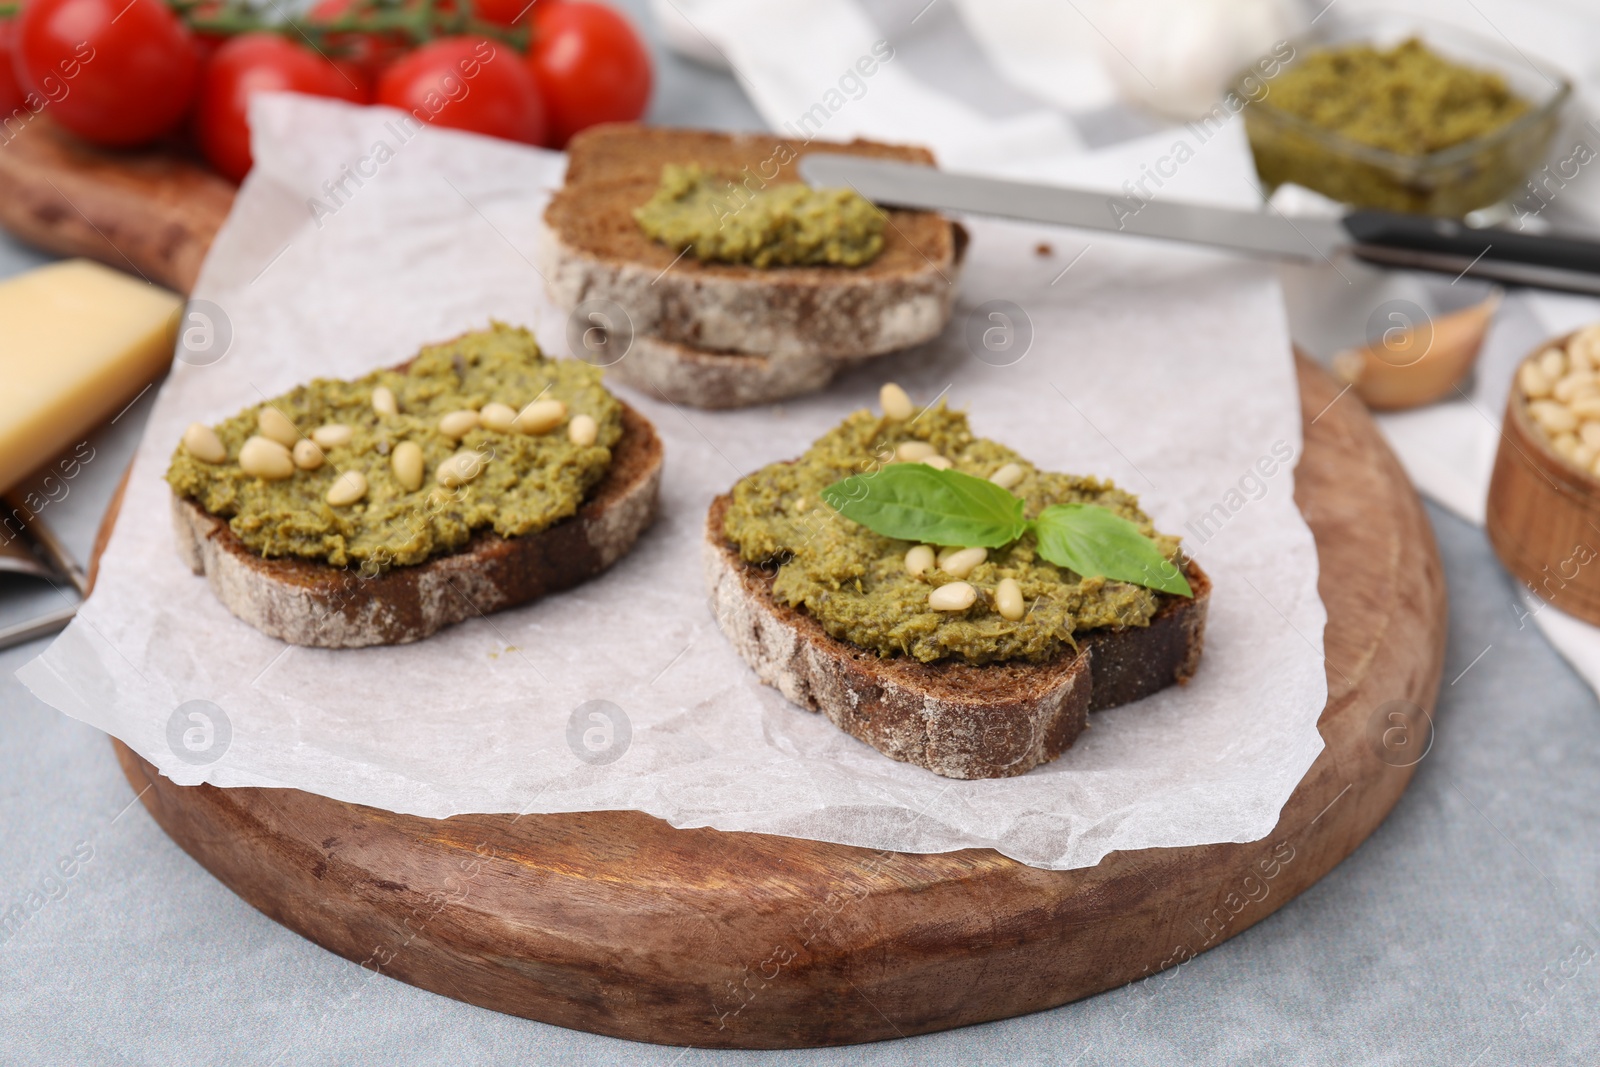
{"x":916,"y":502}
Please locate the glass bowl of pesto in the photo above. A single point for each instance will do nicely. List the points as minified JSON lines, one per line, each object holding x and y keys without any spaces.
{"x":1401,"y":113}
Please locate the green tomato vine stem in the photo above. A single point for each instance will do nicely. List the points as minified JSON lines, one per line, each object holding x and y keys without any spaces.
{"x":418,"y":22}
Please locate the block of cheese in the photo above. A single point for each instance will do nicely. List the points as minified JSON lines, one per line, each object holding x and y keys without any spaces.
{"x":78,"y":341}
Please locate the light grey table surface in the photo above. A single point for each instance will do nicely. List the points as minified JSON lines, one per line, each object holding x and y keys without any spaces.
{"x":1464,"y":932}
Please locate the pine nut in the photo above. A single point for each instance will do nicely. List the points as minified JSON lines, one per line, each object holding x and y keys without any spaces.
{"x":1574,"y":385}
{"x":383,"y":401}
{"x":347,"y":488}
{"x":1595,"y":469}
{"x":406,"y":461}
{"x":1584,"y":455}
{"x":541,"y":416}
{"x":1553,"y":363}
{"x":266,"y":459}
{"x":957,"y":596}
{"x":1589,"y":433}
{"x":1553,"y":416}
{"x":275,"y":426}
{"x":896,"y":402}
{"x":1534,"y":384}
{"x":459,"y":469}
{"x":919,"y":561}
{"x":938,"y":463}
{"x":962,"y":562}
{"x":332,"y":435}
{"x":202,"y":442}
{"x":914,"y":451}
{"x":1586,"y":407}
{"x":1565,"y":444}
{"x":1008,"y":599}
{"x":501,"y":418}
{"x":307,"y":456}
{"x":1585,"y":345}
{"x":1008,"y":476}
{"x":458,"y":424}
{"x":583,"y":430}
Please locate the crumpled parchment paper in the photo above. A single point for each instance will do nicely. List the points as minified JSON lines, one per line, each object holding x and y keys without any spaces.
{"x":357,"y":239}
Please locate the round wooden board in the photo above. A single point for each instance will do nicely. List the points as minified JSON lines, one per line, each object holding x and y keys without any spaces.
{"x":616,"y":922}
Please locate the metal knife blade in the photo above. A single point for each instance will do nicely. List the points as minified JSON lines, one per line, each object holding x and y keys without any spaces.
{"x":912,"y":185}
{"x":1378,"y":237}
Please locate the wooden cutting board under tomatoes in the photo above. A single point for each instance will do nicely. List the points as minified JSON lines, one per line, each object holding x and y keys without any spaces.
{"x":123,"y":122}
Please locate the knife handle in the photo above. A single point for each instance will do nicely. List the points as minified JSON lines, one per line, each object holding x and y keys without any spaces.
{"x":1422,"y":233}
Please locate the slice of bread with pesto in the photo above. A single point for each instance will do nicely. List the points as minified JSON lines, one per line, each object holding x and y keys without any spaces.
{"x":475,"y":477}
{"x":971,"y":661}
{"x":716,"y":253}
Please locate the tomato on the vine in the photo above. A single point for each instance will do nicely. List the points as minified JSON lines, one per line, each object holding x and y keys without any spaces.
{"x":261,"y":62}
{"x":371,"y":51}
{"x":590,"y":64}
{"x":206,"y":42}
{"x":12,"y":94}
{"x":502,"y":12}
{"x":467,"y":83}
{"x":117,"y":72}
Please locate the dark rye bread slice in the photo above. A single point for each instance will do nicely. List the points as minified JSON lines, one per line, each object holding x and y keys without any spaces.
{"x":593,"y":249}
{"x":701,"y":378}
{"x":308,"y":603}
{"x":955,"y":719}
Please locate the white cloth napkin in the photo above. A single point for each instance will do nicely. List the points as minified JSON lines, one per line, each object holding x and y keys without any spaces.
{"x":823,"y":69}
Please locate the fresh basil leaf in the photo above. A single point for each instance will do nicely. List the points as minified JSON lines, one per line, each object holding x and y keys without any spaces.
{"x":1093,"y":541}
{"x":915,"y":502}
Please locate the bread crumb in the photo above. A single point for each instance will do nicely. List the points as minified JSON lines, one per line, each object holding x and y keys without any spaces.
{"x":1043,"y":249}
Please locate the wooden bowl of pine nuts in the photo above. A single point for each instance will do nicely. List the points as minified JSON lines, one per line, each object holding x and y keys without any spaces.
{"x":1544,"y":496}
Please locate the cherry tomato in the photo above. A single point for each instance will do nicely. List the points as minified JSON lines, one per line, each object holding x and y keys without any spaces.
{"x":12,"y":94}
{"x":370,"y":51}
{"x":116,"y":72}
{"x":590,"y":64}
{"x":206,"y":43}
{"x":502,"y":12}
{"x":468,"y":83}
{"x":253,"y":63}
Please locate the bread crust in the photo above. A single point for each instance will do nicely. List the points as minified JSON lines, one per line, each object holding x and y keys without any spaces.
{"x":592,"y":249}
{"x":305,"y":602}
{"x":718,"y":381}
{"x":953,"y":718}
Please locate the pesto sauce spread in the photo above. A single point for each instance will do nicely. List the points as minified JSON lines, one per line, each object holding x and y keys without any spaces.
{"x":1406,"y":99}
{"x":527,"y":482}
{"x":854,"y":581}
{"x":788,"y":224}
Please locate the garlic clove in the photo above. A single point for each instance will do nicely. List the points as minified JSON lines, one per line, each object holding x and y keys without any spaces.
{"x":1449,"y":346}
